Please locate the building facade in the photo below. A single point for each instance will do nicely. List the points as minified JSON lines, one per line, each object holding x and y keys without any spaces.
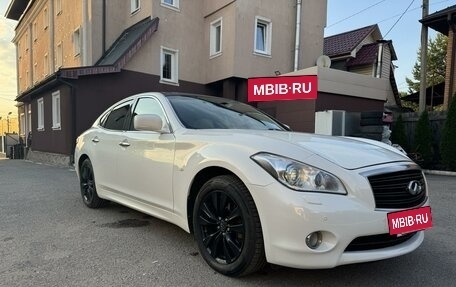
{"x":76,"y":58}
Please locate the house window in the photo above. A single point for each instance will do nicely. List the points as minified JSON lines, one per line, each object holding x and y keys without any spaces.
{"x":173,"y":4}
{"x":77,"y":42}
{"x":27,"y":43}
{"x":34,"y":33}
{"x":263,"y":31}
{"x":29,"y":119}
{"x":46,"y":64}
{"x":35,"y":73}
{"x":58,"y":7}
{"x":169,"y":65}
{"x":22,"y":124}
{"x":135,"y":5}
{"x":216,"y":37}
{"x":59,"y":56}
{"x":40,"y":114}
{"x":56,"y":110}
{"x":45,"y":19}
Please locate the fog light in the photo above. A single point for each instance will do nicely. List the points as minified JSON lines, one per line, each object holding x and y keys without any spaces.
{"x":313,"y":240}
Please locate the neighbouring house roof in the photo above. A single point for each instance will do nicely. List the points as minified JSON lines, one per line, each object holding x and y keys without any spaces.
{"x":440,"y":20}
{"x":345,"y":43}
{"x":366,"y":55}
{"x":112,"y":61}
{"x":434,"y":94}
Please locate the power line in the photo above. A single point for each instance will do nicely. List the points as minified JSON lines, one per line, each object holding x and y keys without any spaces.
{"x":359,"y":12}
{"x":403,"y":13}
{"x":410,"y":10}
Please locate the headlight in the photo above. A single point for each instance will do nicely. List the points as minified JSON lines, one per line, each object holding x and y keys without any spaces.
{"x":299,"y":176}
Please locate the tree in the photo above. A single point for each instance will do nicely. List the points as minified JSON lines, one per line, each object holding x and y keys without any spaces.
{"x":398,"y":134}
{"x":448,"y":141}
{"x":436,"y":64}
{"x":423,"y":140}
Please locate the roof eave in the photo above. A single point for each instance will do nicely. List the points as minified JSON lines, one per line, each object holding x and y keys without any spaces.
{"x":16,"y":8}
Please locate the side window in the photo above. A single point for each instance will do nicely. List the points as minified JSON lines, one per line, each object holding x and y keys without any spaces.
{"x":147,"y":106}
{"x":117,"y":117}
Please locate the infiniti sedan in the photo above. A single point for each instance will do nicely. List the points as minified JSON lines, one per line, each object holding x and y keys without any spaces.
{"x":249,"y":189}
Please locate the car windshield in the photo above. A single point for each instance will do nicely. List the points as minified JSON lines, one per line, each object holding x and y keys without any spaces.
{"x":203,"y":112}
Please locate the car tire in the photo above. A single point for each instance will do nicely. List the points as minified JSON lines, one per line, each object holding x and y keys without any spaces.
{"x":227,"y":227}
{"x":88,"y":188}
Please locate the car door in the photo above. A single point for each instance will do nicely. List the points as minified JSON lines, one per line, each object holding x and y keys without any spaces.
{"x":106,"y":146}
{"x":146,"y":161}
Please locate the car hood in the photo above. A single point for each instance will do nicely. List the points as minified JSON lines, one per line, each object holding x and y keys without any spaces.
{"x":348,"y":153}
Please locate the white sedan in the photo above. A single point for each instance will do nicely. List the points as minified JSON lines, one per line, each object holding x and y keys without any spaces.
{"x":250,"y":190}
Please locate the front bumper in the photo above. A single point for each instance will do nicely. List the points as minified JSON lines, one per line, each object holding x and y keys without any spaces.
{"x":287,"y":217}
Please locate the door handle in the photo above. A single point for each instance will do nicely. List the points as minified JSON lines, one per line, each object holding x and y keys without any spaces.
{"x":95,"y":140}
{"x":124,"y":144}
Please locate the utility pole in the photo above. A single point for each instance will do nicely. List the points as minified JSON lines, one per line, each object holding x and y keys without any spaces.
{"x":424,"y":40}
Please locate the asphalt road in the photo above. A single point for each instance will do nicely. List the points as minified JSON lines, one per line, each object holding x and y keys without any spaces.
{"x":49,"y":238}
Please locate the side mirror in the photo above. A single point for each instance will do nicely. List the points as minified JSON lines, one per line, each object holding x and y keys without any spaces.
{"x":150,"y":122}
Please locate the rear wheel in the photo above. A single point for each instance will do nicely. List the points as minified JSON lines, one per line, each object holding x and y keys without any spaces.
{"x":88,"y":188}
{"x":227,"y":227}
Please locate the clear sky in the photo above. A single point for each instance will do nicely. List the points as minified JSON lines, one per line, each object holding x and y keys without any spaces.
{"x":405,"y":36}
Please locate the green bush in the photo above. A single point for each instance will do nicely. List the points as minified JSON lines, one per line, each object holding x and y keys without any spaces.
{"x":448,"y":142}
{"x":423,"y":140}
{"x":398,"y":134}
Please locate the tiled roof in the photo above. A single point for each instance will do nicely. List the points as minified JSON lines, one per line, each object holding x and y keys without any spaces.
{"x":366,"y":55}
{"x":121,"y":51}
{"x":344,"y":43}
{"x":125,"y":41}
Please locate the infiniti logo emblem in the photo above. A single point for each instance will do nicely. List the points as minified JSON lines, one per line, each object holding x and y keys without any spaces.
{"x":414,"y":187}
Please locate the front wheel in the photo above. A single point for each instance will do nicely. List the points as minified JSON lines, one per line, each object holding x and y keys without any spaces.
{"x":227,"y":227}
{"x":88,"y":187}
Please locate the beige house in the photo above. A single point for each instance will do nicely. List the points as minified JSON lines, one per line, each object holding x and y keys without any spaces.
{"x":75,"y":58}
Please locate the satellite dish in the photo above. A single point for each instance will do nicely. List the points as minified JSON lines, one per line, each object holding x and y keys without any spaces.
{"x":324,"y":61}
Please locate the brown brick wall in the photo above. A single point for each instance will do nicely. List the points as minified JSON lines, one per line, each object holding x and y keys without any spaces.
{"x":450,"y":74}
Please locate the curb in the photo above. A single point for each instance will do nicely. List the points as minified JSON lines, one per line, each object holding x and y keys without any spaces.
{"x":439,"y":172}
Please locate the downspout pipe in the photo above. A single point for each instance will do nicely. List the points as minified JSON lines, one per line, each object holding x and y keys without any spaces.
{"x":379,"y":68}
{"x":298,"y":35}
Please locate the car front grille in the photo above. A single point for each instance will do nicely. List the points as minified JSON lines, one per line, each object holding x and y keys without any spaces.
{"x":391,"y":189}
{"x":377,"y":241}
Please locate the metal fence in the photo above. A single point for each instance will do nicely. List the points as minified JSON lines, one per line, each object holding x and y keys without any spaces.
{"x":437,"y":120}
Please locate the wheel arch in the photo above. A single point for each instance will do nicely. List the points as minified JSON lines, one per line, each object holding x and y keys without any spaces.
{"x":198,"y":181}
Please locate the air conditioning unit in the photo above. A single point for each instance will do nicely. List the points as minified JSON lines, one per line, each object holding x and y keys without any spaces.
{"x":331,"y":122}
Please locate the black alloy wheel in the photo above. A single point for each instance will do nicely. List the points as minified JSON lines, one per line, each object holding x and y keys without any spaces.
{"x":88,"y":188}
{"x":227,"y":227}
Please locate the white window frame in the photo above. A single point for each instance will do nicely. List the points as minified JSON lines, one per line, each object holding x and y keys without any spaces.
{"x":40,"y":114}
{"x":135,"y":6}
{"x":213,"y":52}
{"x":268,"y":36}
{"x":46,"y":64}
{"x":56,"y":109}
{"x":174,"y":80}
{"x":59,"y":56}
{"x":174,"y":5}
{"x":29,"y":119}
{"x":22,"y":125}
{"x":34,"y":32}
{"x":35,"y":73}
{"x":77,"y":38}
